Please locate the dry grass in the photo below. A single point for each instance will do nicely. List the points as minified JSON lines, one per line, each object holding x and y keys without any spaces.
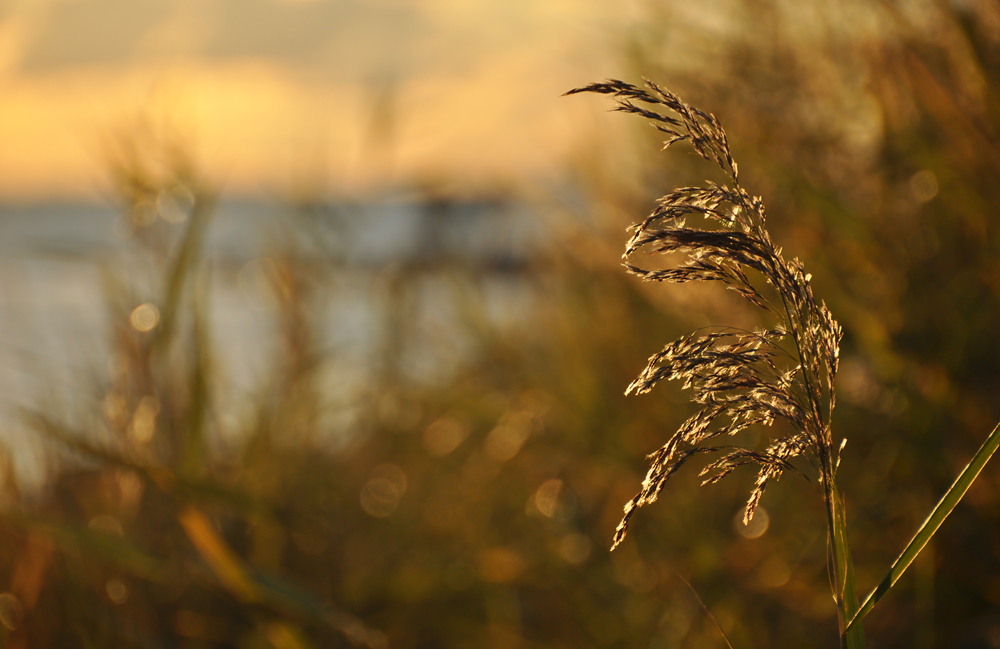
{"x":736,"y":377}
{"x":740,"y":378}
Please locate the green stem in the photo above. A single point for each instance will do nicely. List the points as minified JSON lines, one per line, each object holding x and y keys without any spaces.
{"x":843,"y":570}
{"x":941,"y":511}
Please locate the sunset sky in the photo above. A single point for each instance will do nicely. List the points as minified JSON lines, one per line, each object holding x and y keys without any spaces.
{"x":353,"y":94}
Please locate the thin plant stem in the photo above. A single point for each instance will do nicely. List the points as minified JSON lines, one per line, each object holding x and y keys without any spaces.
{"x":842,"y":575}
{"x":705,"y":608}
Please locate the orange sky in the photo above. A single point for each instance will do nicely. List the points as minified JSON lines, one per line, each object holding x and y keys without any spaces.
{"x":267,"y":92}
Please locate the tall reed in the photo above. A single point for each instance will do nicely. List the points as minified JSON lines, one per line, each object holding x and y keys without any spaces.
{"x":744,"y":378}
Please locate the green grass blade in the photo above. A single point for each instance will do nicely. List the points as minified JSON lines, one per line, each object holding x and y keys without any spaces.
{"x":194,"y":444}
{"x":941,"y":511}
{"x":114,"y":550}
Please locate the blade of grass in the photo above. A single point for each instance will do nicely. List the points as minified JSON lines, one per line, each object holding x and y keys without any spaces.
{"x":941,"y":511}
{"x":115,"y":550}
{"x":226,"y":565}
{"x":194,"y":439}
{"x":271,"y":592}
{"x":185,"y":256}
{"x":283,"y":635}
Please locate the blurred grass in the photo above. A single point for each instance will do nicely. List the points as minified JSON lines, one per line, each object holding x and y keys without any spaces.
{"x":475,"y":509}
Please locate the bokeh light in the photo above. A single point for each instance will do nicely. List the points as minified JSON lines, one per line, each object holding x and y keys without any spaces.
{"x":144,"y":317}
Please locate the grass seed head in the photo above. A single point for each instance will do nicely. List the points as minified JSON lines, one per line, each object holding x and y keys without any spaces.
{"x":739,"y":378}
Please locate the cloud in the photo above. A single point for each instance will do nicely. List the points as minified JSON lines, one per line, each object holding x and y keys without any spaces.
{"x":344,"y":39}
{"x":382,"y":91}
{"x":104,"y":33}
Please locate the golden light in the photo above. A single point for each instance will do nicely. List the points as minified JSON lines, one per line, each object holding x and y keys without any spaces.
{"x":144,"y":317}
{"x":114,"y":406}
{"x":547,"y":497}
{"x":757,"y":525}
{"x":144,"y":420}
{"x":505,"y":441}
{"x":444,"y":436}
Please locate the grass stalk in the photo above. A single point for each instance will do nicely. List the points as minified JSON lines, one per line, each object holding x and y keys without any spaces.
{"x":739,"y":378}
{"x":845,"y":591}
{"x":735,"y":376}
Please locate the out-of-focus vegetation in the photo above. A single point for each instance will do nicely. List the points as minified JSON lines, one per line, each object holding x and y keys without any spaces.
{"x":475,"y":509}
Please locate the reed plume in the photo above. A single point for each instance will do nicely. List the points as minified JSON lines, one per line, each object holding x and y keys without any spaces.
{"x":737,"y":377}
